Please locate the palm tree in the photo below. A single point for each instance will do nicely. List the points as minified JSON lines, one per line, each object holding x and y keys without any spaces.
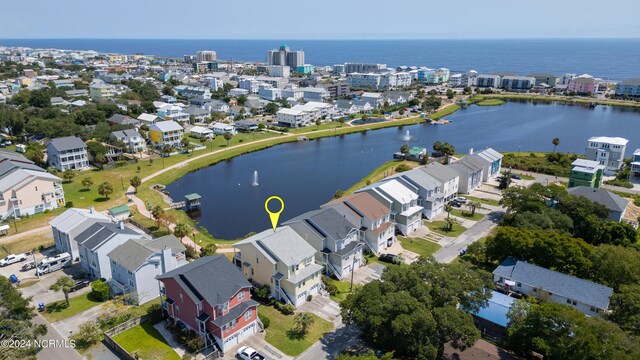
{"x":181,"y":230}
{"x":302,"y":322}
{"x":448,"y":208}
{"x":555,"y":142}
{"x":64,"y":283}
{"x":135,"y":182}
{"x":473,"y":205}
{"x":449,"y":224}
{"x":227,"y":136}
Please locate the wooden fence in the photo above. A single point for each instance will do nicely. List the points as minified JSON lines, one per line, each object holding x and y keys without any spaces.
{"x":109,"y":334}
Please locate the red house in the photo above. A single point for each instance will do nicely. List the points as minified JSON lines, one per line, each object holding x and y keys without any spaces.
{"x":211,"y":297}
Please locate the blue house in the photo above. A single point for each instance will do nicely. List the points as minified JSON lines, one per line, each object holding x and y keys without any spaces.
{"x":164,"y":77}
{"x":492,"y":319}
{"x":492,"y":161}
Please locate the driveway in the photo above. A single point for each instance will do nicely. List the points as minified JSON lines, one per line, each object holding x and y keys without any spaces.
{"x":60,"y":350}
{"x":450,"y":251}
{"x":366,"y":274}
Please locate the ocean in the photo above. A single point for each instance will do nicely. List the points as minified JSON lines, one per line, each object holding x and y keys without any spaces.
{"x":612,"y":59}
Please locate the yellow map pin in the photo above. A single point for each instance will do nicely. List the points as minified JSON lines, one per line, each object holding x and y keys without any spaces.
{"x":274,"y":216}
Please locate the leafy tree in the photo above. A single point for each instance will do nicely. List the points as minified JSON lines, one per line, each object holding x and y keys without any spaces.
{"x":368,"y":356}
{"x":615,"y":266}
{"x":241,"y":100}
{"x":40,"y":98}
{"x":35,"y":153}
{"x":181,"y":230}
{"x":473,"y":205}
{"x":401,"y":112}
{"x":341,"y":120}
{"x":168,"y":90}
{"x":157,"y":212}
{"x":99,"y":290}
{"x":450,"y":94}
{"x":184,"y":142}
{"x":209,"y":250}
{"x":105,"y":189}
{"x":271,"y":108}
{"x":404,"y":149}
{"x":89,"y":334}
{"x":413,"y":310}
{"x":263,"y":292}
{"x":96,"y":150}
{"x":228,"y":136}
{"x":504,"y":180}
{"x":68,"y":175}
{"x":64,"y":284}
{"x":87,"y":182}
{"x":302,"y":322}
{"x":135,"y":182}
{"x":318,"y":123}
{"x":555,"y":142}
{"x":338,"y":194}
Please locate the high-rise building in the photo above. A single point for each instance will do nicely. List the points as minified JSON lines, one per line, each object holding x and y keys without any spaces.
{"x":285,"y":56}
{"x":363,"y":68}
{"x":207,"y":55}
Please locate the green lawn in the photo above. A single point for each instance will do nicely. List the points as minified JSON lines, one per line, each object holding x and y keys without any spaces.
{"x":466,"y":214}
{"x":490,"y":102}
{"x":440,"y":227}
{"x":280,"y":336}
{"x":323,"y":126}
{"x":484,"y":201}
{"x":523,"y":176}
{"x":384,"y":170}
{"x":343,"y":290}
{"x":146,"y":342}
{"x":58,"y":310}
{"x":419,"y":246}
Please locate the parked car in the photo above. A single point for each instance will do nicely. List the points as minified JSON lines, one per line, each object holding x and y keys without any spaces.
{"x":455,"y":204}
{"x":248,"y":353}
{"x":390,"y":258}
{"x":12,"y":259}
{"x":516,"y":177}
{"x":81,"y":284}
{"x":29,"y":265}
{"x":460,"y":199}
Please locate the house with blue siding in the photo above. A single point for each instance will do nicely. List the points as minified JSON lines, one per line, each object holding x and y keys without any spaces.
{"x":492,"y":162}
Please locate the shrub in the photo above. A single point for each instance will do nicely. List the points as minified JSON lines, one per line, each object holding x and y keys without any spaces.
{"x":263,"y":292}
{"x":88,"y":334}
{"x":68,"y":204}
{"x":191,"y":340}
{"x":99,"y":290}
{"x":402,"y":168}
{"x":265,"y":320}
{"x":287,"y":309}
{"x":309,"y":297}
{"x":154,"y":314}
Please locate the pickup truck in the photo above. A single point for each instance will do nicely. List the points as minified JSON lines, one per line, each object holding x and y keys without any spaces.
{"x":248,"y":353}
{"x":12,"y":259}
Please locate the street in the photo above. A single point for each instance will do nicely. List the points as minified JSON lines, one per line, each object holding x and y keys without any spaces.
{"x":450,"y":251}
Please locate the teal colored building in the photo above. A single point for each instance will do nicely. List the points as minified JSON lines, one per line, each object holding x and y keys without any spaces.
{"x":586,"y":173}
{"x":305,"y":69}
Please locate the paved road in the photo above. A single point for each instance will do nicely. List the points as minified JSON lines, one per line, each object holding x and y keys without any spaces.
{"x":450,"y":251}
{"x":332,"y":343}
{"x":59,"y":351}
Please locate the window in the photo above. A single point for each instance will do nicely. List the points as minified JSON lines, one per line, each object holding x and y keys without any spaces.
{"x":257,"y":260}
{"x":593,"y":309}
{"x":519,"y":284}
{"x":248,"y":315}
{"x":241,"y":296}
{"x":225,"y":306}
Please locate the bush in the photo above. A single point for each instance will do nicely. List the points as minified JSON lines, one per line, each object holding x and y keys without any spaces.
{"x":191,"y":340}
{"x":263,"y":292}
{"x":88,"y":334}
{"x":287,"y":309}
{"x":154,"y":313}
{"x":68,"y":204}
{"x":309,"y":297}
{"x":331,"y":288}
{"x":402,"y":168}
{"x":99,"y":290}
{"x":265,"y":320}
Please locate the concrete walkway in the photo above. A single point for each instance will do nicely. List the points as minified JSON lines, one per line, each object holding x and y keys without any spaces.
{"x":169,"y":339}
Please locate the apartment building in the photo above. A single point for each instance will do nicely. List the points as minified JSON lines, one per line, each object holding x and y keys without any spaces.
{"x":608,"y":151}
{"x":350,"y":68}
{"x":285,"y":56}
{"x":518,"y":82}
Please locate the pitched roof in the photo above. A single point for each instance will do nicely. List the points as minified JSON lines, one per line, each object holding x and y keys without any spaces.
{"x":363,"y":204}
{"x":468,"y":164}
{"x":609,"y":140}
{"x":418,"y":178}
{"x":328,"y":222}
{"x":99,"y":233}
{"x":581,"y":290}
{"x":610,"y":200}
{"x":165,"y":126}
{"x":134,"y":253}
{"x":121,"y":120}
{"x":67,"y":143}
{"x":393,"y":190}
{"x":211,"y":278}
{"x":127,"y":133}
{"x":284,"y":245}
{"x":74,"y":217}
{"x":441,"y":172}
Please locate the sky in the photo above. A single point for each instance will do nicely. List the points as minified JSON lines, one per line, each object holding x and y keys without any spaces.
{"x":327,"y":19}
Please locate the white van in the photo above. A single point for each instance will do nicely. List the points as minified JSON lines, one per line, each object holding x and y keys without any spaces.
{"x":53,"y":263}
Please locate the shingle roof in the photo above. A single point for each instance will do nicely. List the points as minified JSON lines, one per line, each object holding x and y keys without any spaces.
{"x":441,"y":172}
{"x":134,"y":253}
{"x":581,"y":290}
{"x":121,"y":119}
{"x":100,"y":232}
{"x":468,"y":164}
{"x":363,"y":204}
{"x":67,"y":143}
{"x":610,"y":200}
{"x":74,"y":217}
{"x":211,"y":278}
{"x":328,"y":222}
{"x":234,"y":313}
{"x":285,"y":245}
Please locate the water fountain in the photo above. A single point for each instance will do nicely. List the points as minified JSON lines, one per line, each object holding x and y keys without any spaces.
{"x":255,"y":178}
{"x":407,"y":136}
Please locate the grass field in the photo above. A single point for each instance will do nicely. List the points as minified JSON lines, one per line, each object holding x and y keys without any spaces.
{"x":58,"y":310}
{"x":483,"y":200}
{"x":440,"y":227}
{"x":145,"y":341}
{"x":32,"y":242}
{"x":466,"y":214}
{"x":419,"y":246}
{"x":490,"y":102}
{"x":569,"y":99}
{"x":343,"y":290}
{"x":280,"y":336}
{"x":323,"y":126}
{"x":384,"y":170}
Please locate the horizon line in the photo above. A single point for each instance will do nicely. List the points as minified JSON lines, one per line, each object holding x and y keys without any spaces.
{"x":324,"y":39}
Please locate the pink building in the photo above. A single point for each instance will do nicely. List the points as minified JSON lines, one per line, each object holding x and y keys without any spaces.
{"x":583,"y":86}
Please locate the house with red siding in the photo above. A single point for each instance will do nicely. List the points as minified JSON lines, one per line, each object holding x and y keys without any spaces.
{"x":211,"y":297}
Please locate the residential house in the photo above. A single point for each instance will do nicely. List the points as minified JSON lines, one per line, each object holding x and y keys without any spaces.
{"x":586,"y":173}
{"x":405,"y":211}
{"x":100,"y":91}
{"x":549,"y":79}
{"x":492,"y":319}
{"x":448,"y":178}
{"x":67,"y":153}
{"x":315,"y":94}
{"x":145,"y":118}
{"x":616,"y":204}
{"x":68,"y":225}
{"x":25,"y":188}
{"x":135,"y":143}
{"x":335,"y":239}
{"x":284,"y":261}
{"x":164,"y":133}
{"x":136,"y":264}
{"x":588,"y":297}
{"x":201,"y":132}
{"x":375,"y":99}
{"x":428,"y":189}
{"x":173,"y":112}
{"x":199,"y":115}
{"x":96,"y":241}
{"x":492,"y":162}
{"x":217,"y":106}
{"x":246,"y":125}
{"x":58,"y":101}
{"x":292,"y":118}
{"x":346,"y":107}
{"x":118,"y":119}
{"x":371,"y":217}
{"x":211,"y":297}
{"x":470,"y":170}
{"x":635,"y":163}
{"x":220,"y":128}
{"x":608,"y":151}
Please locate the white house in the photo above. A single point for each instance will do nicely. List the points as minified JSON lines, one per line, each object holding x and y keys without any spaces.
{"x":66,"y":226}
{"x":132,"y":138}
{"x":292,"y":118}
{"x":222,"y":128}
{"x":67,"y":153}
{"x":405,"y":211}
{"x":201,"y":132}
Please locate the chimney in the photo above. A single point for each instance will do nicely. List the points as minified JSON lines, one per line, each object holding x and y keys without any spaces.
{"x":470,"y":151}
{"x":120,"y":225}
{"x":92,"y":209}
{"x":167,"y":263}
